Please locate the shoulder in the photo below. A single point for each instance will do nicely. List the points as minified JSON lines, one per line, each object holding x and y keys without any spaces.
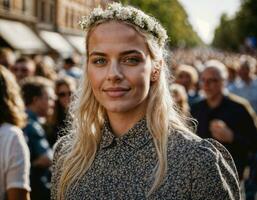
{"x":240,"y":103}
{"x":196,"y":147}
{"x":63,"y":144}
{"x":61,"y":148}
{"x":208,"y":166}
{"x":14,"y":142}
{"x":199,"y":104}
{"x":11,"y":133}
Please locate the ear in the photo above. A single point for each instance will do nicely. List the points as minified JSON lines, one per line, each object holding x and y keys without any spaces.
{"x":155,"y":75}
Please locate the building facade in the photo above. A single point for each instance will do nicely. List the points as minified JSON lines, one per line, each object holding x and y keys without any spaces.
{"x":20,"y":10}
{"x":44,"y":25}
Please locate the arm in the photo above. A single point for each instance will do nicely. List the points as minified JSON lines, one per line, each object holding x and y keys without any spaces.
{"x":17,"y":194}
{"x":17,"y":176}
{"x":41,"y":153}
{"x":43,"y":161}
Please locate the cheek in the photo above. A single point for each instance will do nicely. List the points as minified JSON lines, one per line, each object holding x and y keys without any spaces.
{"x":96,"y":79}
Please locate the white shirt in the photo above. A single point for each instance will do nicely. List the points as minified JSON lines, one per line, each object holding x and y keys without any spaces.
{"x":14,"y":159}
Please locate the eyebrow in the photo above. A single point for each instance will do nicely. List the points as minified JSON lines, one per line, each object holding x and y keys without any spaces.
{"x":96,"y":53}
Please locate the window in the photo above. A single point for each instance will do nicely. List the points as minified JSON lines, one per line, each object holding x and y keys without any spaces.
{"x":24,"y":5}
{"x":66,"y":17}
{"x":6,"y":4}
{"x":42,"y":11}
{"x":52,"y":13}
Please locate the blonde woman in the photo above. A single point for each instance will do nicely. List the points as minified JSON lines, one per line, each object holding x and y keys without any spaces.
{"x":127,"y":141}
{"x":14,"y":152}
{"x":179,"y":97}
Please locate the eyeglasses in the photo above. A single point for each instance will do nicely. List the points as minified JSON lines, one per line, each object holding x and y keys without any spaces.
{"x":22,"y":69}
{"x":64,"y":94}
{"x":209,"y":81}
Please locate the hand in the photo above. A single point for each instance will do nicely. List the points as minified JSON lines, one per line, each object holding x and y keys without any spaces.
{"x":221,"y":132}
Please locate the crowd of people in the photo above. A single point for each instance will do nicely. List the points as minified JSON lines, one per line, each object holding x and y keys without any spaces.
{"x":217,"y":89}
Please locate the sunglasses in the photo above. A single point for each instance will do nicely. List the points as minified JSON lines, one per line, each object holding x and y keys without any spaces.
{"x":16,"y":69}
{"x":209,"y":81}
{"x":64,"y":94}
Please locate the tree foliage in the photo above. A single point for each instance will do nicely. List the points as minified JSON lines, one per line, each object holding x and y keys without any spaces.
{"x":231,"y":33}
{"x":173,"y":17}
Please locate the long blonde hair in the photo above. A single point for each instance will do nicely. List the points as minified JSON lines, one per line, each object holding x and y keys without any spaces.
{"x":11,"y":103}
{"x":89,"y":115}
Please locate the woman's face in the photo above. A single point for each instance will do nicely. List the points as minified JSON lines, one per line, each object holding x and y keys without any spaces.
{"x":119,"y":68}
{"x":64,"y":93}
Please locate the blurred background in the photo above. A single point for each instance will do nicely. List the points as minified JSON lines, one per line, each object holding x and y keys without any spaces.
{"x":42,"y":38}
{"x":51,"y":26}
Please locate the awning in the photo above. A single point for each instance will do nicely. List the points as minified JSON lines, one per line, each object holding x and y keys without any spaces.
{"x":19,"y":36}
{"x":57,"y":42}
{"x":78,"y":42}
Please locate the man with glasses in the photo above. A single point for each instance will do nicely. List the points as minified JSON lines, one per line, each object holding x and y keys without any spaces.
{"x":225,"y":117}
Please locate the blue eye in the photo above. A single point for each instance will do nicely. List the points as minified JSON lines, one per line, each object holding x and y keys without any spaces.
{"x":99,"y":61}
{"x":131,"y":60}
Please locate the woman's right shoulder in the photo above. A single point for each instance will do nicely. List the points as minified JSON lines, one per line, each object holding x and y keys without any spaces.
{"x":63,"y":145}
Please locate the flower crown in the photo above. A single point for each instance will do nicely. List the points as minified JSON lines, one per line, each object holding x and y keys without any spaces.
{"x":115,"y":11}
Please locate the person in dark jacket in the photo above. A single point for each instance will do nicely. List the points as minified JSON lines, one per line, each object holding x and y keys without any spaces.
{"x":225,"y":117}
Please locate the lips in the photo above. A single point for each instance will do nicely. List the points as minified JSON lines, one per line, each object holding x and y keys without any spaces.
{"x":115,"y":92}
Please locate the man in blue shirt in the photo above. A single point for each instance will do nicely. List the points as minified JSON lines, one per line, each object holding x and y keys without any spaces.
{"x":39,"y":97}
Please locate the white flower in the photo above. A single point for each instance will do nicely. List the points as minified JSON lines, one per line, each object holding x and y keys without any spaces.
{"x":126,"y":14}
{"x":97,"y":11}
{"x":139,"y":21}
{"x":130,"y":14}
{"x":107,"y":14}
{"x":115,"y":6}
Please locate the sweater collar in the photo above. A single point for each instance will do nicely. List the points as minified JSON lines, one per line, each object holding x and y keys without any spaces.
{"x":136,"y":137}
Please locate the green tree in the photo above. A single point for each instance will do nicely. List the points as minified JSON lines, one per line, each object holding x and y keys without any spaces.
{"x":173,"y":17}
{"x":231,"y":33}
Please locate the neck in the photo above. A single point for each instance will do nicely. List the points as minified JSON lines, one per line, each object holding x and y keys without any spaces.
{"x":32,"y":108}
{"x":122,"y":122}
{"x":214,"y":101}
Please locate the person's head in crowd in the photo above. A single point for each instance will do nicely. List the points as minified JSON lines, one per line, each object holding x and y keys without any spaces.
{"x":64,"y":88}
{"x":23,"y":67}
{"x":179,"y":95}
{"x":7,"y":57}
{"x":38,"y":94}
{"x":45,"y":70}
{"x":232,"y":65}
{"x":212,"y":79}
{"x":187,"y":76}
{"x":69,"y":63}
{"x":11,"y":104}
{"x":247,"y":68}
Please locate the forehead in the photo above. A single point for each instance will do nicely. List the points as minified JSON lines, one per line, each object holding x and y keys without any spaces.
{"x":114,"y":35}
{"x":211,"y":72}
{"x":27,"y":64}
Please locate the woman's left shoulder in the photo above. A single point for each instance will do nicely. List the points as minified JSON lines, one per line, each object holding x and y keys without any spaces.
{"x":194,"y":145}
{"x":211,"y":167}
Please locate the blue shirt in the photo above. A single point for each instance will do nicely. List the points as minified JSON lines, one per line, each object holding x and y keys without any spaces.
{"x":248,"y":91}
{"x":38,"y":146}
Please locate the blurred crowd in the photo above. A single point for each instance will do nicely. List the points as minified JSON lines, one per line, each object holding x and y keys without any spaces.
{"x":217,"y":89}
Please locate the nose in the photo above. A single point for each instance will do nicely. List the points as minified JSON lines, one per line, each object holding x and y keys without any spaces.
{"x":114,"y":72}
